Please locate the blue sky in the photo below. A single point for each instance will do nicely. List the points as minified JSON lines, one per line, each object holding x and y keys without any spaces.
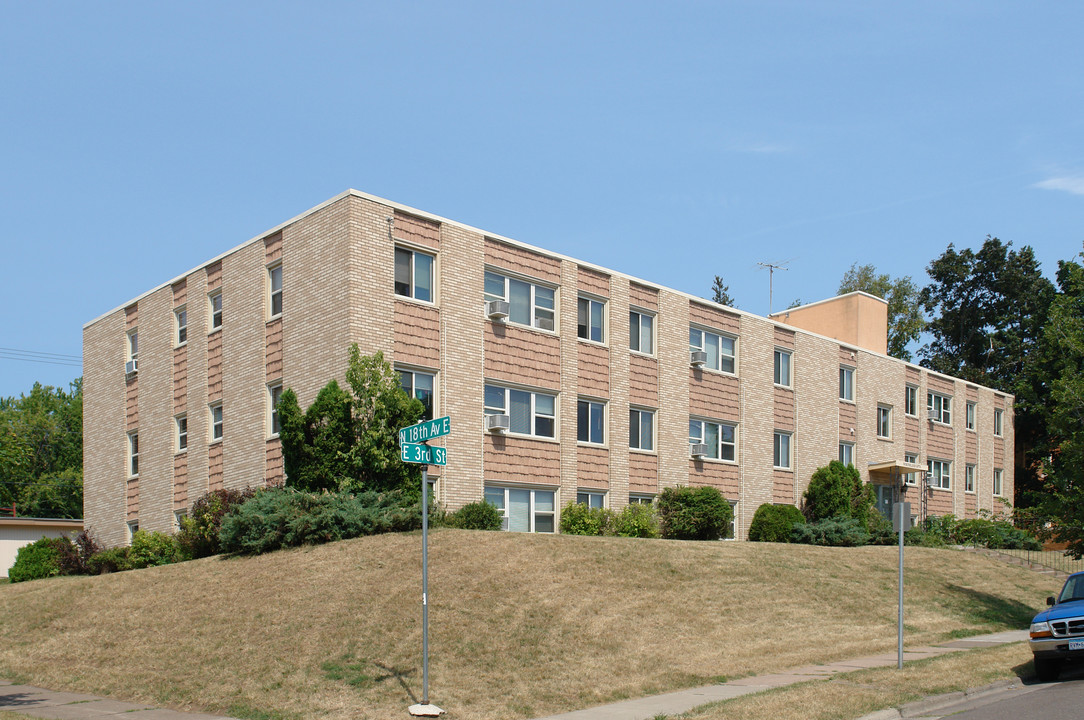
{"x":671,"y":141}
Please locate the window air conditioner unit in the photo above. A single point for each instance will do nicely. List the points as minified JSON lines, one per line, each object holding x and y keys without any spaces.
{"x":698,"y":450}
{"x":497,"y":424}
{"x":131,"y":367}
{"x":697,"y":358}
{"x":929,"y":481}
{"x":497,"y":309}
{"x":932,"y":415}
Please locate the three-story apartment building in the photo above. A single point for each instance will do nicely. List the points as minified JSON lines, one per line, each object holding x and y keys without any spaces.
{"x":564,"y":381}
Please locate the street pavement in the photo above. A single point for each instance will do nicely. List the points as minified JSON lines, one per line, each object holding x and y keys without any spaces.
{"x":40,"y":703}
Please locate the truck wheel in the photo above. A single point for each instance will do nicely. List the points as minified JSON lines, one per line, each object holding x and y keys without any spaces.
{"x":1047,"y":669}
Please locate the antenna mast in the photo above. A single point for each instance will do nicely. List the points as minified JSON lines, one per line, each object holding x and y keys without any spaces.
{"x":772,"y":267}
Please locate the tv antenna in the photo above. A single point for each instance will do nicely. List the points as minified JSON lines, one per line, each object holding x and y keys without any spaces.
{"x":771,"y":268}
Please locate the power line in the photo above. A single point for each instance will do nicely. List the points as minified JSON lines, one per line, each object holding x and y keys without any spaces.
{"x":41,"y":352}
{"x":36,"y":356}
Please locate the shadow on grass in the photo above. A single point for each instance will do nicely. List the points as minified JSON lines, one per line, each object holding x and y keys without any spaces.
{"x":398,"y":675}
{"x":987,"y":609}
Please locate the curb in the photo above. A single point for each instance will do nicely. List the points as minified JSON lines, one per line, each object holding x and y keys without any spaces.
{"x":928,"y":706}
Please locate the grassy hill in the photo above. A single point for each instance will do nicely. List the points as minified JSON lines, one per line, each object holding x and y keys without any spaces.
{"x":520,"y":625}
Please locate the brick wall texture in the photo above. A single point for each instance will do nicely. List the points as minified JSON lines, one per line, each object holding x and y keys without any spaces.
{"x":338,"y":288}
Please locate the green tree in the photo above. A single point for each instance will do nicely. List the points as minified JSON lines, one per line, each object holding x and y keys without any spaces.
{"x":720,"y":293}
{"x":41,"y":451}
{"x":987,"y":311}
{"x":836,"y":490}
{"x":905,"y":321}
{"x":1063,"y":478}
{"x":348,"y":440}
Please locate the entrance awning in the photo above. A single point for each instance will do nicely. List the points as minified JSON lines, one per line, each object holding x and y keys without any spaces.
{"x":889,"y":472}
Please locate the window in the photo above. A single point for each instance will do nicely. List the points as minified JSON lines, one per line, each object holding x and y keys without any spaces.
{"x":528,"y":304}
{"x":846,"y":453}
{"x":941,"y":405}
{"x":846,"y":383}
{"x":274,"y":394}
{"x":215,"y":300}
{"x":413,"y":274}
{"x":530,"y":413}
{"x":910,"y":478}
{"x":884,"y":421}
{"x":641,"y":332}
{"x":910,"y":401}
{"x":181,"y":318}
{"x":591,"y":499}
{"x":782,"y":367}
{"x":589,"y":422}
{"x":216,"y":422}
{"x":998,"y":419}
{"x":641,"y":429}
{"x":275,"y":278}
{"x":524,"y":510}
{"x":782,"y":450}
{"x":182,"y":432}
{"x":641,"y":499}
{"x":132,"y":527}
{"x":719,"y":349}
{"x":969,"y":416}
{"x":940,"y":473}
{"x":589,"y":324}
{"x":133,"y":344}
{"x":719,"y":438}
{"x":133,"y":454}
{"x":178,"y":519}
{"x":419,"y":385}
{"x":969,"y":478}
{"x":997,"y":481}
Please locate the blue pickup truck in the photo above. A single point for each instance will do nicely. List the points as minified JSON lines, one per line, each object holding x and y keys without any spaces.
{"x":1057,"y":633}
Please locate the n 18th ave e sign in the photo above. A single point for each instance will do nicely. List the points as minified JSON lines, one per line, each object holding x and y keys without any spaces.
{"x":425,"y":430}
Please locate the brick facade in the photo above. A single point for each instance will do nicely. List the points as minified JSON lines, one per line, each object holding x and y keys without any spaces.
{"x":338,"y":265}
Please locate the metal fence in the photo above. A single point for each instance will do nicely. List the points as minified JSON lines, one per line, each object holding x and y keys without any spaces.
{"x":1053,"y":559}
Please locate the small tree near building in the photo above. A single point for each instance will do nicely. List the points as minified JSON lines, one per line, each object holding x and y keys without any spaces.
{"x":347,"y":441}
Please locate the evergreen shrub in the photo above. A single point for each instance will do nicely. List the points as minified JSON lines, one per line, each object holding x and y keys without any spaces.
{"x":479,"y":515}
{"x":774,"y":523}
{"x":688,"y":513}
{"x":833,"y":532}
{"x":284,"y":517}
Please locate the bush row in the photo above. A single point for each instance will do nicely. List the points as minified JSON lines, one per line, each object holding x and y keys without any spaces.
{"x":683,"y":513}
{"x":785,"y":523}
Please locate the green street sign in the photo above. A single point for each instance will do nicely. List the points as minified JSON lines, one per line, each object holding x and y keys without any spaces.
{"x":416,"y":453}
{"x":425,"y":431}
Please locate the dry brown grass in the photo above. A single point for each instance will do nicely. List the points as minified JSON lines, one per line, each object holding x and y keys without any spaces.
{"x":520,"y":625}
{"x":858,"y":693}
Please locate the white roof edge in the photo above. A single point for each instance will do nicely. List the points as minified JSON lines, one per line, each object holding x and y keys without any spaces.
{"x":526,"y":246}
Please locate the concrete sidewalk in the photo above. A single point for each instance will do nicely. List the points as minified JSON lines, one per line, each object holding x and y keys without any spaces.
{"x":40,"y":703}
{"x":681,"y":701}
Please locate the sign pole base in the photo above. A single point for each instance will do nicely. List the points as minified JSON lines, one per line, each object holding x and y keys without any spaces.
{"x":425,"y":711}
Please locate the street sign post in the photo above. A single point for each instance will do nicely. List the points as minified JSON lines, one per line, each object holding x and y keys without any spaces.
{"x":412,"y":449}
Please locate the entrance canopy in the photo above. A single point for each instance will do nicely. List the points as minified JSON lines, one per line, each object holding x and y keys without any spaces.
{"x":890,"y":472}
